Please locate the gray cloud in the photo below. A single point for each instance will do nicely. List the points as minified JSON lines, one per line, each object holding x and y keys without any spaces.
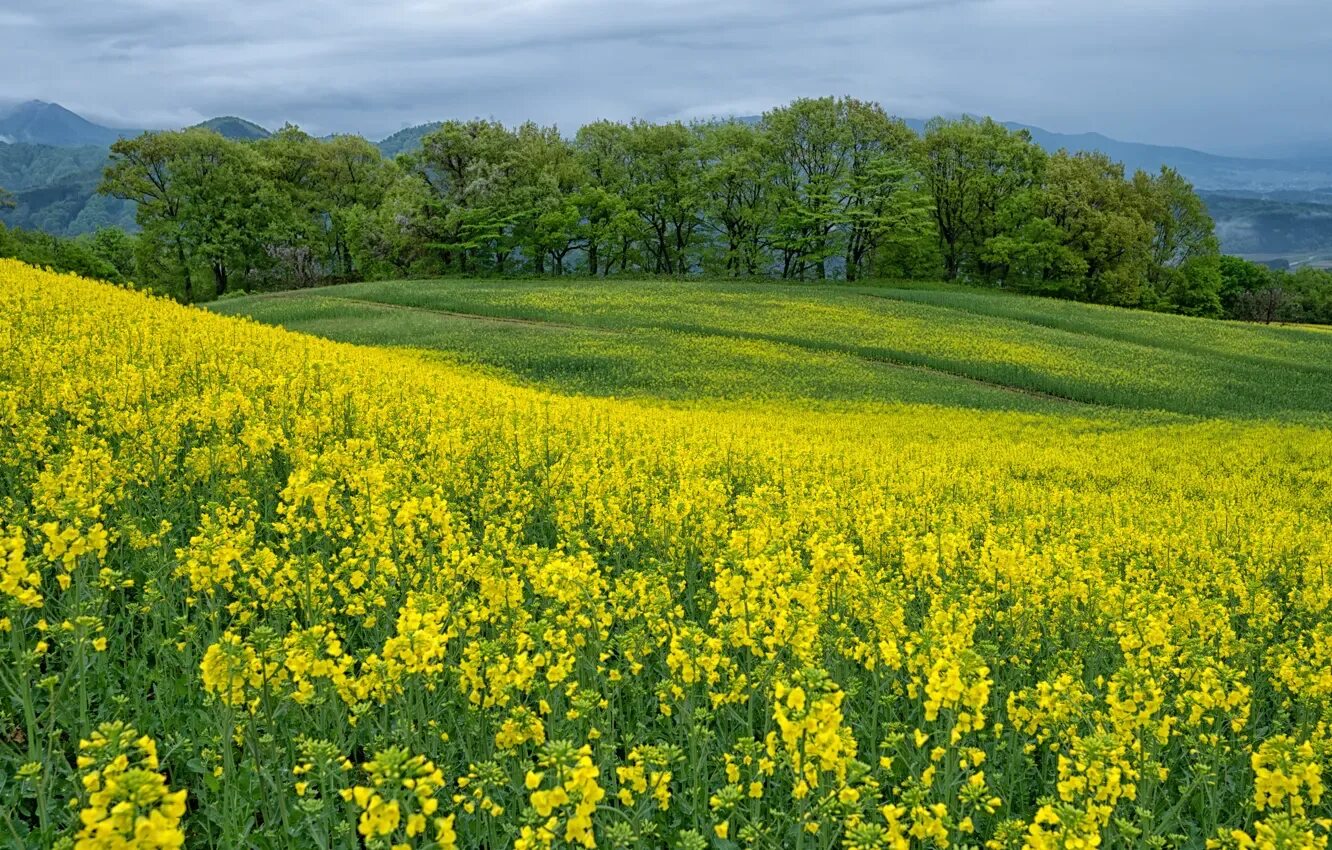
{"x":1224,"y":75}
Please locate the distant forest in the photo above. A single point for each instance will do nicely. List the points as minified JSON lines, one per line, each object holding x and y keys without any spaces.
{"x":820,"y":189}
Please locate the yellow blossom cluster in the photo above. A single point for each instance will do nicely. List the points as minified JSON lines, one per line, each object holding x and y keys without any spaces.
{"x":399,"y":804}
{"x":127,"y":804}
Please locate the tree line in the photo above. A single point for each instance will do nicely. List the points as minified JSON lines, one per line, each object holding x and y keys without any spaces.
{"x":820,"y":189}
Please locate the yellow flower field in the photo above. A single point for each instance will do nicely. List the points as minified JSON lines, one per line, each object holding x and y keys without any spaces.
{"x":263,"y":590}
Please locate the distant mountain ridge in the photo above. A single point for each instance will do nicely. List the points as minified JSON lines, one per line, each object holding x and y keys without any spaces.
{"x":1204,"y":170}
{"x":41,"y":123}
{"x":407,"y":139}
{"x":235,"y":128}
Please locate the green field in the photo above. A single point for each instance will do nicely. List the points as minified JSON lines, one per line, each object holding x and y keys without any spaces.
{"x":707,"y":340}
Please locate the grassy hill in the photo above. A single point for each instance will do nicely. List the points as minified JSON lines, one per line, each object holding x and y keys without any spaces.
{"x":311,"y":592}
{"x":701,"y":339}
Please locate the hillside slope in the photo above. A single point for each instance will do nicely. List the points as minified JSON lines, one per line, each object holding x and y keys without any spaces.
{"x":701,"y":339}
{"x":284,"y":579}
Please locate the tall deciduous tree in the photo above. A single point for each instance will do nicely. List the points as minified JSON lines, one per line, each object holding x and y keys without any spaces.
{"x":973,"y":170}
{"x":874,"y":198}
{"x":200,"y":197}
{"x":735,"y":195}
{"x":1087,"y":198}
{"x":143,"y":170}
{"x":662,"y":187}
{"x":463,"y":165}
{"x":808,"y":147}
{"x":1184,"y":269}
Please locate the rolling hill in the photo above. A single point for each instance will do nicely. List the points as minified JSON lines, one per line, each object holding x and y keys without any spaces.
{"x":342,"y":586}
{"x":839,"y":344}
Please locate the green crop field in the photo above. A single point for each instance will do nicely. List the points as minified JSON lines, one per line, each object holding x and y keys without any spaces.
{"x":686,"y":340}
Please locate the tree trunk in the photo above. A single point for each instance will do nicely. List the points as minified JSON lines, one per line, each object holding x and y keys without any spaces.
{"x":185,"y":270}
{"x":951,"y":265}
{"x":219,"y":278}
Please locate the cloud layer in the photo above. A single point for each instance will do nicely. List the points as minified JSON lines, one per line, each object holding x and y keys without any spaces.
{"x":1226,"y":75}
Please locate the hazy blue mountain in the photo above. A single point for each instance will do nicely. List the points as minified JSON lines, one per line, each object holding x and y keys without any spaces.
{"x":40,"y":123}
{"x":54,"y":182}
{"x":55,"y":189}
{"x":235,"y":128}
{"x":406,"y":140}
{"x":1204,"y":170}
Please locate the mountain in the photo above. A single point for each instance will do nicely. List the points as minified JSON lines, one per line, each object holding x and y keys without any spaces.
{"x":235,"y":128}
{"x":1267,"y":229}
{"x":37,"y":122}
{"x":1204,"y":170}
{"x":40,"y":123}
{"x":54,"y":180}
{"x":25,"y":166}
{"x":406,"y":140}
{"x":55,"y":189}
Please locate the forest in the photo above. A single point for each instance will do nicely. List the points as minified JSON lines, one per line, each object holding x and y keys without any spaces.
{"x":818,"y":190}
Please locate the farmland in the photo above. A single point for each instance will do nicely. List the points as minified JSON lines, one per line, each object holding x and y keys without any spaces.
{"x":645,"y":564}
{"x":687,"y":340}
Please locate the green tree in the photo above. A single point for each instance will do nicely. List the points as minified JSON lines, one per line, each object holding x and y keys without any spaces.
{"x":1184,"y":268}
{"x":318,"y":183}
{"x":662,"y":188}
{"x":543,"y":179}
{"x":976,"y":173}
{"x":609,"y":226}
{"x":201,"y":198}
{"x":298,"y":222}
{"x":398,"y":238}
{"x":809,"y":153}
{"x":878,"y":196}
{"x":1310,"y":295}
{"x":464,"y":166}
{"x":142,"y":170}
{"x":116,"y":247}
{"x":1087,"y":198}
{"x":735,"y":196}
{"x":352,"y":176}
{"x":229,"y":206}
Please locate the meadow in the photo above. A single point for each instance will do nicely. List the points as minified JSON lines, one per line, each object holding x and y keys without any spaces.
{"x":689,"y":340}
{"x":658,"y":565}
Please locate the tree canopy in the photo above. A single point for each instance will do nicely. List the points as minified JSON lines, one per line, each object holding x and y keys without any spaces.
{"x":819,"y":189}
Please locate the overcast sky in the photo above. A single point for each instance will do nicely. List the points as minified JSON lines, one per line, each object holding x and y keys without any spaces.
{"x":1223,"y":75}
